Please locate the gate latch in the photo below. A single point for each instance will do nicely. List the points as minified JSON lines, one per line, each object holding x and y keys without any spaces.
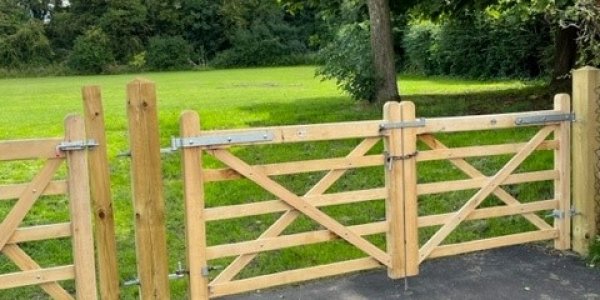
{"x":76,"y":145}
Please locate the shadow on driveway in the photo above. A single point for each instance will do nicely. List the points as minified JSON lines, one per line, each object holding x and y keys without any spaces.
{"x":521,"y":272}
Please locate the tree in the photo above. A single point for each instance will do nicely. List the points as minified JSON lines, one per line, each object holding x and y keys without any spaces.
{"x":382,"y":48}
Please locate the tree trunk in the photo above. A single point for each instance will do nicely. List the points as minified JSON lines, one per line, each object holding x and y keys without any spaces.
{"x":565,"y":50}
{"x":383,"y":50}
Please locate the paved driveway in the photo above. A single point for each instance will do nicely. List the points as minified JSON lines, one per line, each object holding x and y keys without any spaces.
{"x":521,"y":272}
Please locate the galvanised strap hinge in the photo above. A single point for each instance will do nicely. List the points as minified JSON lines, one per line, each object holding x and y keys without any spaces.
{"x":545,"y":118}
{"x":420,"y":122}
{"x":76,"y":145}
{"x":219,"y":140}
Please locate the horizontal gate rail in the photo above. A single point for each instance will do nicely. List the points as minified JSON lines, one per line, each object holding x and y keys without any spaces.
{"x":30,"y":149}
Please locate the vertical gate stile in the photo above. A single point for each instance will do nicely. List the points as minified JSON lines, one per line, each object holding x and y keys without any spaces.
{"x":79,"y":204}
{"x":562,"y":186}
{"x":409,"y":178}
{"x":108,"y":273}
{"x":195,"y":230}
{"x":394,"y":205}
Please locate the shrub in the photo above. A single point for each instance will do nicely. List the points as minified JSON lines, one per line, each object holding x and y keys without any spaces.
{"x":261,"y":45}
{"x":168,"y":53}
{"x":347,"y":60}
{"x":91,"y":52}
{"x":27,"y":46}
{"x":420,"y":45}
{"x":480,"y":46}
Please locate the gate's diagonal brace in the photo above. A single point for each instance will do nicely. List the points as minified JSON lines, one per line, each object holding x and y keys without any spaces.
{"x":472,"y":172}
{"x":30,"y":194}
{"x":485,"y":191}
{"x":289,"y":216}
{"x":296,"y":202}
{"x":26,"y":263}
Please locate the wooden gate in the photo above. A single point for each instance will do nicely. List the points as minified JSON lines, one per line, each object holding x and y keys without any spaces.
{"x":53,"y":152}
{"x":400,"y":131}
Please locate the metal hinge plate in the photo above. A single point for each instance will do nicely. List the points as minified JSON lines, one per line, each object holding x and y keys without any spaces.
{"x":420,"y":122}
{"x":544,"y":119}
{"x":76,"y":145}
{"x":217,"y":140}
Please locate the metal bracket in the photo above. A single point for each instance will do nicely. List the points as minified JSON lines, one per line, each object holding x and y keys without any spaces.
{"x":391,"y":158}
{"x":544,"y":119}
{"x":206,"y":270}
{"x":76,"y":145}
{"x":420,"y":122}
{"x":558,"y":214}
{"x":216,"y":140}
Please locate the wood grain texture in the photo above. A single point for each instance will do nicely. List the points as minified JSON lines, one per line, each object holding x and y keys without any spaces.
{"x":147,"y":187}
{"x":104,"y":229}
{"x":80,"y":209}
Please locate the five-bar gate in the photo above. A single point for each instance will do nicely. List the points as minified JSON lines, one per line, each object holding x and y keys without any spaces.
{"x":402,"y":134}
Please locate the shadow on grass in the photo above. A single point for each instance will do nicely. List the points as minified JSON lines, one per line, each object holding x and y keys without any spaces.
{"x":339,"y":109}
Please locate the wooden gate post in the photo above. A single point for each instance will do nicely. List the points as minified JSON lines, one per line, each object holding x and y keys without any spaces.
{"x":586,"y":148}
{"x":195,"y":231}
{"x":79,"y":206}
{"x":100,"y":192}
{"x":409,"y":175}
{"x":400,"y":147}
{"x":149,"y":205}
{"x":586,"y":151}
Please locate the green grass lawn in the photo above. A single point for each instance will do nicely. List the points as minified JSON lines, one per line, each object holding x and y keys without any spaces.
{"x":35,"y":107}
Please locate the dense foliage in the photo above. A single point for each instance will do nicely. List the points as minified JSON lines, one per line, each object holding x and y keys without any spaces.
{"x":476,"y":38}
{"x":480,"y":46}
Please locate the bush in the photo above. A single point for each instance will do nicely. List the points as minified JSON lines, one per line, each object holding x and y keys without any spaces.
{"x":168,"y":53}
{"x":27,"y":46}
{"x":480,"y":46}
{"x":261,"y":45}
{"x":347,"y":60}
{"x":419,"y":43}
{"x":91,"y":52}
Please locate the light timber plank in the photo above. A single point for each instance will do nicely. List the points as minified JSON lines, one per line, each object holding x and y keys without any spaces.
{"x":30,"y":149}
{"x":35,"y":277}
{"x":496,"y":242}
{"x":195,"y":226}
{"x":13,"y":191}
{"x":562,"y":185}
{"x":468,"y":184}
{"x":476,"y":151}
{"x":39,"y":233}
{"x":288,"y":277}
{"x":287,"y":241}
{"x":106,"y":248}
{"x":586,"y":141}
{"x":371,"y":129}
{"x":147,"y":188}
{"x":25,"y":263}
{"x":300,"y":167}
{"x":491,"y":212}
{"x":409,"y":176}
{"x":80,"y":209}
{"x":485,"y":191}
{"x":394,"y":200}
{"x":273,"y":206}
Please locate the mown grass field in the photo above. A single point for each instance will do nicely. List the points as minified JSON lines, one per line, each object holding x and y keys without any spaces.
{"x":35,"y":107}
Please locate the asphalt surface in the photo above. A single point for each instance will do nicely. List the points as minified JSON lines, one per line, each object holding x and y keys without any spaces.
{"x":521,"y":272}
